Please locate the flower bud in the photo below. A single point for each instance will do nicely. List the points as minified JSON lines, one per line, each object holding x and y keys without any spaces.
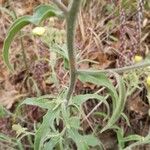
{"x":148,"y":80}
{"x":138,"y":58}
{"x":38,"y":31}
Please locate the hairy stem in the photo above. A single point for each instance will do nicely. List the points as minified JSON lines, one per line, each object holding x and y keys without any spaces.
{"x":61,"y":6}
{"x":118,"y":70}
{"x":71,"y":25}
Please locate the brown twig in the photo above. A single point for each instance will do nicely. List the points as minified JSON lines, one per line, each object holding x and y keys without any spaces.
{"x":118,"y":70}
{"x":61,"y":6}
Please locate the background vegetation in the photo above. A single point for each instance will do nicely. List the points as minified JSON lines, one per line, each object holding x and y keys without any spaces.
{"x":74,"y":75}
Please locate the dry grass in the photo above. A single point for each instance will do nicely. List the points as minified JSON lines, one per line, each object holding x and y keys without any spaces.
{"x":97,"y":44}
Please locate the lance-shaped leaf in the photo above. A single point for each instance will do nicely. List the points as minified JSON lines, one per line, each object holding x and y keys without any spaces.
{"x":140,"y":141}
{"x":78,"y":100}
{"x":42,"y":12}
{"x":120,"y":103}
{"x":45,"y":128}
{"x":46,"y":102}
{"x":101,"y":80}
{"x":118,"y":99}
{"x":84,"y":142}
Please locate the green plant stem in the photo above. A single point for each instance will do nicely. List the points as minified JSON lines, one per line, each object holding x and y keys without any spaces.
{"x":118,"y":70}
{"x":71,"y":25}
{"x":61,"y":6}
{"x":23,"y":53}
{"x":22,"y":48}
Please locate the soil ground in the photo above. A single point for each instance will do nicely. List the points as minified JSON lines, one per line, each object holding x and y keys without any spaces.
{"x":97,"y":40}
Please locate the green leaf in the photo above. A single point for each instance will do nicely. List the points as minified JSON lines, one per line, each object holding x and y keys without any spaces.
{"x":133,"y":138}
{"x":141,"y":141}
{"x":5,"y":138}
{"x":118,"y":99}
{"x":42,"y":12}
{"x":43,"y":102}
{"x":52,"y":139}
{"x":74,"y":122}
{"x":120,"y":135}
{"x":126,"y":119}
{"x":101,"y":80}
{"x":48,"y":102}
{"x":117,"y":111}
{"x":91,"y":140}
{"x":45,"y":128}
{"x":80,"y":99}
{"x":78,"y":139}
{"x":102,"y":114}
{"x":50,"y":145}
{"x":2,"y":111}
{"x":83,"y":141}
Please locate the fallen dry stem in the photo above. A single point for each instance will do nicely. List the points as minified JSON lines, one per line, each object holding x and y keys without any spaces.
{"x":117,"y":70}
{"x":61,"y":6}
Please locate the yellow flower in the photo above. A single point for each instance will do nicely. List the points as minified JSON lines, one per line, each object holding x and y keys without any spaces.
{"x":38,"y":31}
{"x":148,"y":80}
{"x":138,"y":58}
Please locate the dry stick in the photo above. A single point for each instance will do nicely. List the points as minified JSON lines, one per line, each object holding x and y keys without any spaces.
{"x":118,"y":70}
{"x":71,"y":26}
{"x":61,"y":6}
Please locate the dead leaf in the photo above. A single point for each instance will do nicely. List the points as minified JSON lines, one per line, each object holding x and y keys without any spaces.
{"x":8,"y":95}
{"x":84,"y":66}
{"x":138,"y":106}
{"x":99,"y":57}
{"x":2,"y":2}
{"x":8,"y":98}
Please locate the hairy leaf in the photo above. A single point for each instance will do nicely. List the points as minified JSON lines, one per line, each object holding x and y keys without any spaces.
{"x":133,"y":138}
{"x":43,"y":102}
{"x":118,"y":99}
{"x":101,"y":80}
{"x":42,"y":12}
{"x":117,"y":111}
{"x":78,"y":100}
{"x":141,"y":141}
{"x":83,"y":142}
{"x":45,"y":128}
